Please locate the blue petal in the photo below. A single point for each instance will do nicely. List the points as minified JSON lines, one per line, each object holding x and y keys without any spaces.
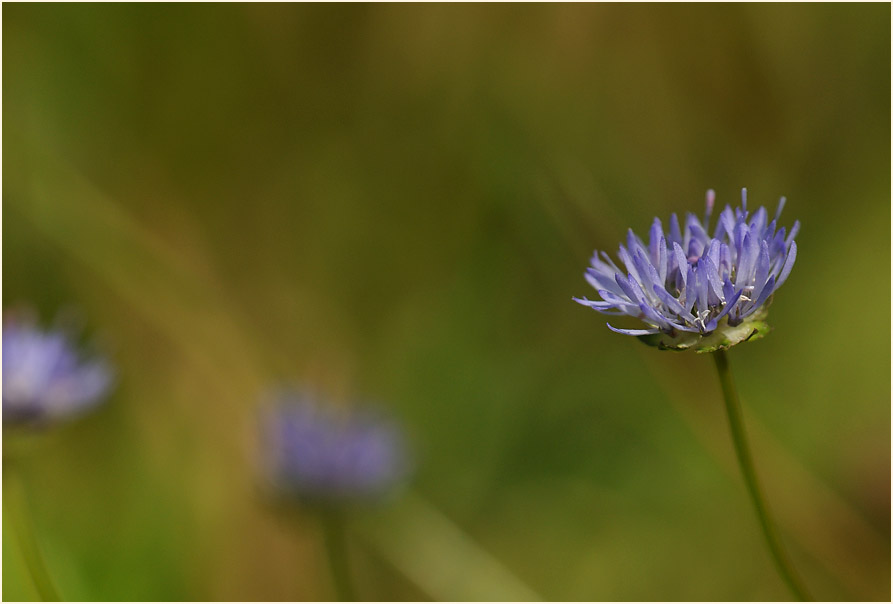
{"x":662,"y":261}
{"x":642,"y":268}
{"x":778,"y":246}
{"x":633,"y":332}
{"x":597,"y":304}
{"x":646,"y":270}
{"x":726,"y":223}
{"x":600,"y":280}
{"x":694,"y":227}
{"x":713,"y":252}
{"x":625,"y":285}
{"x":639,"y":293}
{"x":738,"y":241}
{"x":633,"y":243}
{"x":609,"y":297}
{"x":767,"y":291}
{"x":675,"y":232}
{"x":762,"y":270}
{"x":769,"y":233}
{"x":728,"y":290}
{"x":628,"y":262}
{"x":788,"y":264}
{"x":622,"y":304}
{"x":695,"y":247}
{"x":758,"y":222}
{"x":610,"y":262}
{"x":673,"y":304}
{"x":701,"y":284}
{"x":747,"y":261}
{"x":655,"y":237}
{"x":681,"y":261}
{"x":691,"y":289}
{"x":731,"y":301}
{"x":654,"y":316}
{"x":713,"y":280}
{"x":602,"y":266}
{"x":725,"y":260}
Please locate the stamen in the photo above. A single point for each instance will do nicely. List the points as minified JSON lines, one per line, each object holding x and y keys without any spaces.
{"x":711,"y":200}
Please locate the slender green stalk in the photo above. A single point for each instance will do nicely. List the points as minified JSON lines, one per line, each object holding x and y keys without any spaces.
{"x":739,"y":437}
{"x":336,"y":549}
{"x":17,"y":508}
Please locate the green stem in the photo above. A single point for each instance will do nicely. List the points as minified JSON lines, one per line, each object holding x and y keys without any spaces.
{"x":336,"y":549}
{"x":15,"y":499}
{"x":739,"y":437}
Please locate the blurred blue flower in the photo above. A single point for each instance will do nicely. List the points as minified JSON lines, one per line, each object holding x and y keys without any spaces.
{"x":44,"y":379}
{"x":693,"y":290}
{"x":326,"y":453}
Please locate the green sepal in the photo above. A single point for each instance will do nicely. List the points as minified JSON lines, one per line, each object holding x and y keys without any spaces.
{"x":722,"y":338}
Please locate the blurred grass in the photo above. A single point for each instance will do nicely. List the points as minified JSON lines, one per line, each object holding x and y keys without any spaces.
{"x":398,"y":202}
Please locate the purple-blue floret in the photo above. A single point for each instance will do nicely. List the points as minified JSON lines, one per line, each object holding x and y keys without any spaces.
{"x":688,"y":281}
{"x":44,"y":377}
{"x":326,"y":453}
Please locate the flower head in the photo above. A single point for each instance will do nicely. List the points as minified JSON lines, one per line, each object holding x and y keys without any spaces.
{"x":326,"y":453}
{"x":693,"y":290}
{"x":44,"y":378}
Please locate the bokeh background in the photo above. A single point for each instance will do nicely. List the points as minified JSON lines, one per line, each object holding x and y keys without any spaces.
{"x":395,"y":203}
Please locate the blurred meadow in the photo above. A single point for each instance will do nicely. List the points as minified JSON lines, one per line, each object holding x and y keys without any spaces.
{"x":395,"y":204}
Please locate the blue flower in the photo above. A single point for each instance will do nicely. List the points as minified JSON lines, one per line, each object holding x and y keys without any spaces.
{"x":327,"y":453}
{"x":44,"y":379}
{"x":693,"y":290}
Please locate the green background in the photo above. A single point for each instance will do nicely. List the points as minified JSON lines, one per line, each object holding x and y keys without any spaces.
{"x":395,"y":203}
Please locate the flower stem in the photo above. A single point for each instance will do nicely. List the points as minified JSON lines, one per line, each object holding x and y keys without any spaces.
{"x":336,"y":548}
{"x":17,"y":506}
{"x":739,"y":437}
